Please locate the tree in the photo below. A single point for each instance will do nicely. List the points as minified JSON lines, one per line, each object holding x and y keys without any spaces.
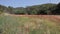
{"x":2,"y":8}
{"x":56,"y":11}
{"x":10,"y":9}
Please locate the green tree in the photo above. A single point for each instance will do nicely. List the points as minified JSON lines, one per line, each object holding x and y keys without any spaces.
{"x":10,"y":9}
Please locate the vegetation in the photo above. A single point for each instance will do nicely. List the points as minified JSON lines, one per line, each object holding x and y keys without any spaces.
{"x":15,"y":24}
{"x":26,"y":25}
{"x":44,"y":9}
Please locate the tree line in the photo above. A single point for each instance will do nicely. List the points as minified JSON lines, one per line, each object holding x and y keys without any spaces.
{"x":44,"y":9}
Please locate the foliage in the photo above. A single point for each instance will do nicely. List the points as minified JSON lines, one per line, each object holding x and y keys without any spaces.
{"x":56,"y":11}
{"x":45,"y":9}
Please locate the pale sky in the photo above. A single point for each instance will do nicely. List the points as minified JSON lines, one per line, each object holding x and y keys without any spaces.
{"x":24,"y":3}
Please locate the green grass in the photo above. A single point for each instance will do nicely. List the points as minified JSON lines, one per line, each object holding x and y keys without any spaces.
{"x":26,"y":25}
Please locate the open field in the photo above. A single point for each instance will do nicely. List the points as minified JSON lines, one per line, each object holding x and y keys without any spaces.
{"x":30,"y":24}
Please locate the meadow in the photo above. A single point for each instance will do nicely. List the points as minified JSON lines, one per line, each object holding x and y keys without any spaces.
{"x":29,"y":24}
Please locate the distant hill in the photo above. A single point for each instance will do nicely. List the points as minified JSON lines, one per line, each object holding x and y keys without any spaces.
{"x":43,"y":9}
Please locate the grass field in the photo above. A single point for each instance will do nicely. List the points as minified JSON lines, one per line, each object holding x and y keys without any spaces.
{"x":29,"y":24}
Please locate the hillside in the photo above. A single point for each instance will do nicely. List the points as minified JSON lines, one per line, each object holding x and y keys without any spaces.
{"x":37,"y":19}
{"x":43,"y":9}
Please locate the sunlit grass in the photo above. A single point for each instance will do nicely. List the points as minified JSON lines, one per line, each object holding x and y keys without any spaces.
{"x":26,"y":25}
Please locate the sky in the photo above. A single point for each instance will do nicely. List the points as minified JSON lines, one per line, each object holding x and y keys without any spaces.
{"x":24,"y":3}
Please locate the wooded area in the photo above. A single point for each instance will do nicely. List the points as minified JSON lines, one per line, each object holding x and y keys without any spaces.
{"x":44,"y":9}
